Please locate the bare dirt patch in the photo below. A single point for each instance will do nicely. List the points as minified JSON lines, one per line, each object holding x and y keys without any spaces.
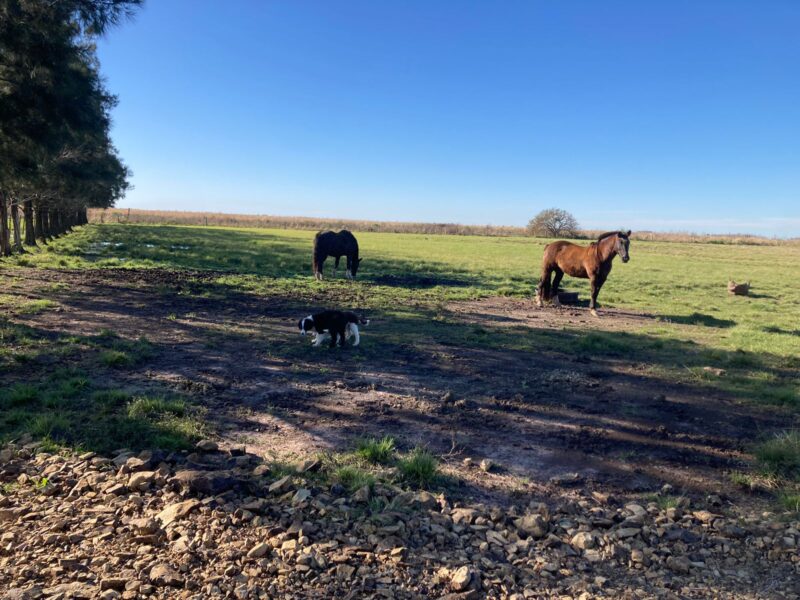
{"x":547,"y":420}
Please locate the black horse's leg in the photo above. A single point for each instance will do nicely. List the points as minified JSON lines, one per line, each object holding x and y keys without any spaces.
{"x":349,"y":272}
{"x":336,"y":265}
{"x":320,"y":267}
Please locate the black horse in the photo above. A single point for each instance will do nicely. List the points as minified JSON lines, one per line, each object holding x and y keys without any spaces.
{"x":328,"y":243}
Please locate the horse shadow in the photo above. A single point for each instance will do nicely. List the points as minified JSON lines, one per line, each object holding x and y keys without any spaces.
{"x":417,"y":280}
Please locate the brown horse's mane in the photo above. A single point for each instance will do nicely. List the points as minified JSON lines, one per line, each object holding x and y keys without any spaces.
{"x":603,"y":236}
{"x":610,"y":233}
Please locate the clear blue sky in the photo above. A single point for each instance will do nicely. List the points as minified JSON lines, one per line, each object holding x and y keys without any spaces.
{"x":665,"y":115}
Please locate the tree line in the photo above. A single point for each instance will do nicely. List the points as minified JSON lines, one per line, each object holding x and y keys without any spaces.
{"x":56,"y":155}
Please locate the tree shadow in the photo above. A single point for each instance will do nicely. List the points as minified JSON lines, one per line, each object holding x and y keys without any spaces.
{"x":418,"y":280}
{"x":699,"y":319}
{"x":67,"y":393}
{"x":240,"y":252}
{"x":538,"y":401}
{"x":780,"y":330}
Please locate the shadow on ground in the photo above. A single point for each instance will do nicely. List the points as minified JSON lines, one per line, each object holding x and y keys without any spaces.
{"x":551,"y":402}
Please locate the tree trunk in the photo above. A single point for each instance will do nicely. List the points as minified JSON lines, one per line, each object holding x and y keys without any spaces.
{"x":52,"y":223}
{"x":5,"y":242}
{"x":44,"y":212}
{"x":39,"y":217}
{"x":30,"y":231}
{"x":15,"y":222}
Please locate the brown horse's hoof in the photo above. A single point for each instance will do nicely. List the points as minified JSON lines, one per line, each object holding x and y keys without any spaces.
{"x":556,"y":301}
{"x":594,"y":313}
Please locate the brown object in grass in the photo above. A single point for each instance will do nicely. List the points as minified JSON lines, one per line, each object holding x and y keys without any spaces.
{"x":739,"y":289}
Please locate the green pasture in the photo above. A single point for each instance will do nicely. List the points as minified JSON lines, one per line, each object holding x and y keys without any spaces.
{"x":679,"y":283}
{"x":406,"y":281}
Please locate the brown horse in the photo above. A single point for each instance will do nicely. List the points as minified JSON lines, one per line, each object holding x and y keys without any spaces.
{"x":592,"y":262}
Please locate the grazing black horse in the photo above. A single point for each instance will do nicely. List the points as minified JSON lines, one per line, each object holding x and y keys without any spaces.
{"x":328,"y":243}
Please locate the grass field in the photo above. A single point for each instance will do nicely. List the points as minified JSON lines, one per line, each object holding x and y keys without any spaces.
{"x":745,"y":349}
{"x":677,"y":283}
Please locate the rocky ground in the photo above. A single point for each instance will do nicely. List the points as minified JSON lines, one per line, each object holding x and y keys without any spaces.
{"x":220,"y":524}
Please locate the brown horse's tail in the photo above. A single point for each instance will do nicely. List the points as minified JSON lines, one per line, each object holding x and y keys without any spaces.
{"x":543,"y":289}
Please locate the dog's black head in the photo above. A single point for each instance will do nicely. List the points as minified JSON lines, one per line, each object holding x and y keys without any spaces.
{"x":305,"y":324}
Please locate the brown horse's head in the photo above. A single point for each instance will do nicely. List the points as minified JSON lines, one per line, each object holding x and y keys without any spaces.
{"x":622,"y":245}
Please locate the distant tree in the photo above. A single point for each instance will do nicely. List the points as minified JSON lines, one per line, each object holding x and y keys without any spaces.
{"x":553,"y":222}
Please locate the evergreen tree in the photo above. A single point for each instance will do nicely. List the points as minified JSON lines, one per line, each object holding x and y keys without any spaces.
{"x":56,"y":156}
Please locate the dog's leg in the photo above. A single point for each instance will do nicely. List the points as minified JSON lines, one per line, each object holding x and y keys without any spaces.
{"x":321,"y":337}
{"x":353,"y":329}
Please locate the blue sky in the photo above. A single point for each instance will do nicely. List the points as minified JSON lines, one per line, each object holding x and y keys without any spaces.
{"x":672,"y":115}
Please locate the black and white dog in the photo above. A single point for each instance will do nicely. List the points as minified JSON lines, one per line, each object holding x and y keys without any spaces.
{"x":332,"y":324}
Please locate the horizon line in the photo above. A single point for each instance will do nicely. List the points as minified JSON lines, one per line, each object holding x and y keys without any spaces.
{"x":521,"y":228}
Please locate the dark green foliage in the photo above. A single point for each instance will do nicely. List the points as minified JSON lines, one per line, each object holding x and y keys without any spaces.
{"x":56,"y":156}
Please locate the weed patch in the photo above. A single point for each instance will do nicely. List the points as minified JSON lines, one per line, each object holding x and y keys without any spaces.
{"x":376,"y":451}
{"x":419,"y":468}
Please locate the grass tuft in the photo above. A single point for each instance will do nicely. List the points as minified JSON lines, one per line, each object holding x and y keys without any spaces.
{"x":419,"y":467}
{"x":790,"y":501}
{"x":780,"y":456}
{"x":353,"y":478}
{"x":50,"y":426}
{"x":115,"y":358}
{"x":376,"y":451}
{"x":144,"y":406}
{"x":19,"y":394}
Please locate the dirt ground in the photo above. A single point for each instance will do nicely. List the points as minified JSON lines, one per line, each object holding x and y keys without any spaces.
{"x":600,"y":423}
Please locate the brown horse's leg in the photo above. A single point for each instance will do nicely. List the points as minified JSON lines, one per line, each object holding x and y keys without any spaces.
{"x":556,"y":282}
{"x":543,"y":290}
{"x":596,"y":284}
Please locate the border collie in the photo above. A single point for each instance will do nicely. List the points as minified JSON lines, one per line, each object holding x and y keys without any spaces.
{"x":332,"y":324}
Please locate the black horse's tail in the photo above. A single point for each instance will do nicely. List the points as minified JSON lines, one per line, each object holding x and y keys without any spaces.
{"x":315,"y":256}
